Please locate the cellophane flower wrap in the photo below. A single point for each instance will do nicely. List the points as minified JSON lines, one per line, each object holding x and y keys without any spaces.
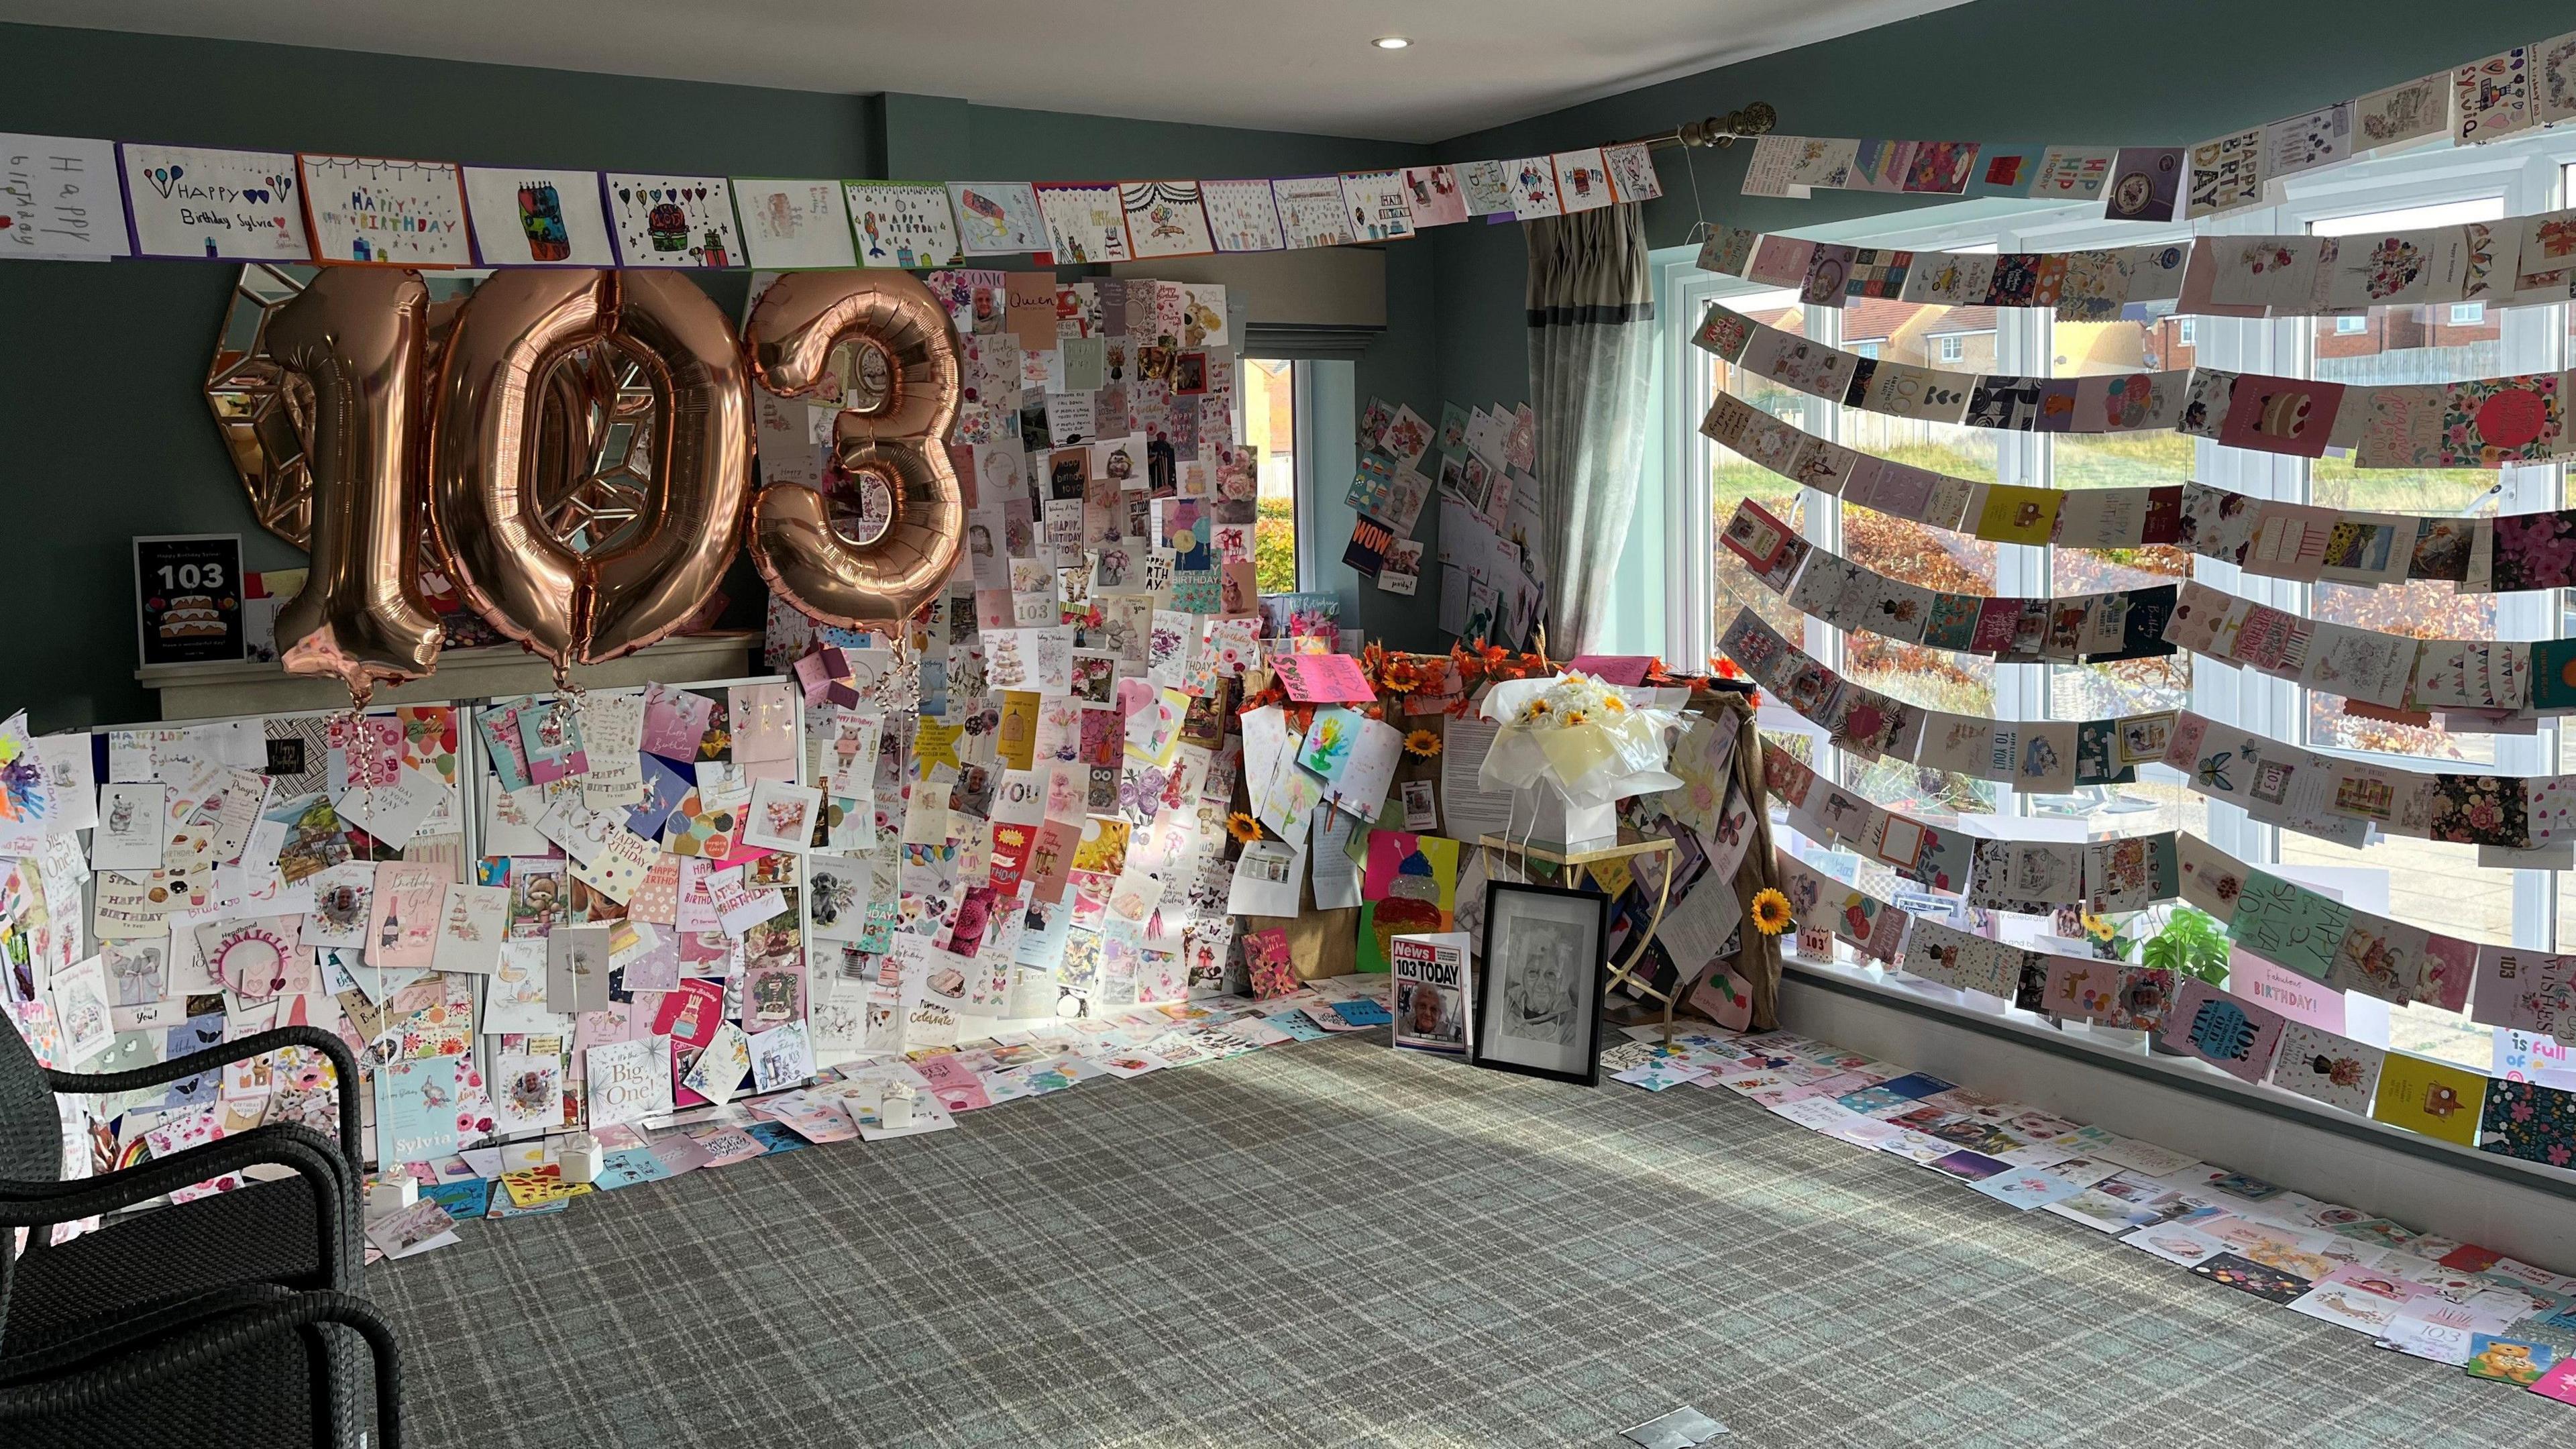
{"x":1591,"y":742}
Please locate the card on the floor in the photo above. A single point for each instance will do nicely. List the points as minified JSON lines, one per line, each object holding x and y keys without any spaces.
{"x":2247,"y":1276}
{"x":1683,"y":1428}
{"x":2026,"y":1189}
{"x":2508,"y":1360}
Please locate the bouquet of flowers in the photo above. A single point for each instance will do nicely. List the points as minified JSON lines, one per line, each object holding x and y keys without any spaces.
{"x":1591,"y":743}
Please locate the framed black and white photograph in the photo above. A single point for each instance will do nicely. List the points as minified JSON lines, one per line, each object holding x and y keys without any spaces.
{"x":1538,"y":989}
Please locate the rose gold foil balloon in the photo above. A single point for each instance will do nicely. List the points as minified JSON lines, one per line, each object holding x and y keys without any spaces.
{"x":358,"y":337}
{"x":485,"y":457}
{"x":901,"y":442}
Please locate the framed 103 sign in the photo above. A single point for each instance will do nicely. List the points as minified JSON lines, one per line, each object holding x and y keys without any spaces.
{"x":188,"y":591}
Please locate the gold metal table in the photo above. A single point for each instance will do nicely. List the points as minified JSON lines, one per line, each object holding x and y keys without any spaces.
{"x":1577,"y":866}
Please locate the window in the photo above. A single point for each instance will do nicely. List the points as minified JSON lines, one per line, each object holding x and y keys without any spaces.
{"x":2437,"y":886}
{"x":1270,"y":424}
{"x":2426,"y":882}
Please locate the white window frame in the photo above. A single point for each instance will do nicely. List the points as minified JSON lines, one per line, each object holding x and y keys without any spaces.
{"x":2525,"y":171}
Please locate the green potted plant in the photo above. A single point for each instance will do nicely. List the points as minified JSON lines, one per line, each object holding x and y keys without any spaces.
{"x":2192,"y":945}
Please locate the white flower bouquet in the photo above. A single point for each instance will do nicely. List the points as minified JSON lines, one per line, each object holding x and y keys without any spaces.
{"x":1578,"y":745}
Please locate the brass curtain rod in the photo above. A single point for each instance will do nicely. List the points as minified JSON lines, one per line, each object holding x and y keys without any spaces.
{"x":1751,"y":120}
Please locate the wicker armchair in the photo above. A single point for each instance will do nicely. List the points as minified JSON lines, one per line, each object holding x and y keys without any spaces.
{"x":250,"y":1365}
{"x":119,"y":1289}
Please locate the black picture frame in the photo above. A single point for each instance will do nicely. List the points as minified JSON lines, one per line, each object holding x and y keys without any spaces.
{"x":1503,"y":1040}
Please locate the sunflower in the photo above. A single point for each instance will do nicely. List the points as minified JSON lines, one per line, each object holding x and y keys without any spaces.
{"x":1423,"y":743}
{"x":1771,"y":913}
{"x":1243,"y":827}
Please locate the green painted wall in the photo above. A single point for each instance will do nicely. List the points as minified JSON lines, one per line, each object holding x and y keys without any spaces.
{"x":101,"y":367}
{"x":2024,"y":71}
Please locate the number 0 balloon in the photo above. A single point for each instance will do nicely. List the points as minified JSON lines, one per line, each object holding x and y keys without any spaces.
{"x":484,"y":458}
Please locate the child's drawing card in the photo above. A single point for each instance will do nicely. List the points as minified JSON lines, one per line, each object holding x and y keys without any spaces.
{"x":672,"y":221}
{"x":793,"y":225}
{"x":210,"y":205}
{"x":369,"y":212}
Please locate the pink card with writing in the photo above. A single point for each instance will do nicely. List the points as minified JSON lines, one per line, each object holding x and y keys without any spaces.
{"x":1626,"y":670}
{"x":1323,"y":679}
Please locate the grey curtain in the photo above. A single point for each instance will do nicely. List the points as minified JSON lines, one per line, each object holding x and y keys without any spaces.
{"x":1591,"y":350}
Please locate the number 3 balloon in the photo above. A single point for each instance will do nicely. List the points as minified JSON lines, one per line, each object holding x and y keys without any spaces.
{"x":900,"y":441}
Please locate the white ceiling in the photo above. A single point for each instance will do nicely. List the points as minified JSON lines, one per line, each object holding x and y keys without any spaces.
{"x":1290,"y":65}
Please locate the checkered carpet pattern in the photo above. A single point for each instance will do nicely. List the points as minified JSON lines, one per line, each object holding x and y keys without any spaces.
{"x":1337,"y":1245}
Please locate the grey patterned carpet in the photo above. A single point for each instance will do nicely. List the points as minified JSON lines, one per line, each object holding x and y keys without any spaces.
{"x":1332,"y":1245}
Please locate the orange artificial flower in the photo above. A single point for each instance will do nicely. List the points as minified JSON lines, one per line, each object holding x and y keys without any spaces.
{"x":1423,"y":743}
{"x":1243,"y":827}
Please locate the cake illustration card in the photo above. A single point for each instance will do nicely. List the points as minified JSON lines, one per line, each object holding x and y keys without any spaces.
{"x":1376,"y":204}
{"x":211,"y":205}
{"x":997,"y":218}
{"x":364,"y":211}
{"x":791,"y":225}
{"x":1084,"y":222}
{"x":2326,"y":1067}
{"x":1311,"y":212}
{"x":2491,"y":98}
{"x":2434,"y":1098}
{"x":533,"y":217}
{"x":903,"y":224}
{"x":672,"y":221}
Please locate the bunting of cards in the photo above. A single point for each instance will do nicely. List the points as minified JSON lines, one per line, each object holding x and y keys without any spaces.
{"x":2516,"y":261}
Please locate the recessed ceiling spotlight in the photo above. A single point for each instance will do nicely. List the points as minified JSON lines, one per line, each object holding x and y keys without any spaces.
{"x":1391,"y":42}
